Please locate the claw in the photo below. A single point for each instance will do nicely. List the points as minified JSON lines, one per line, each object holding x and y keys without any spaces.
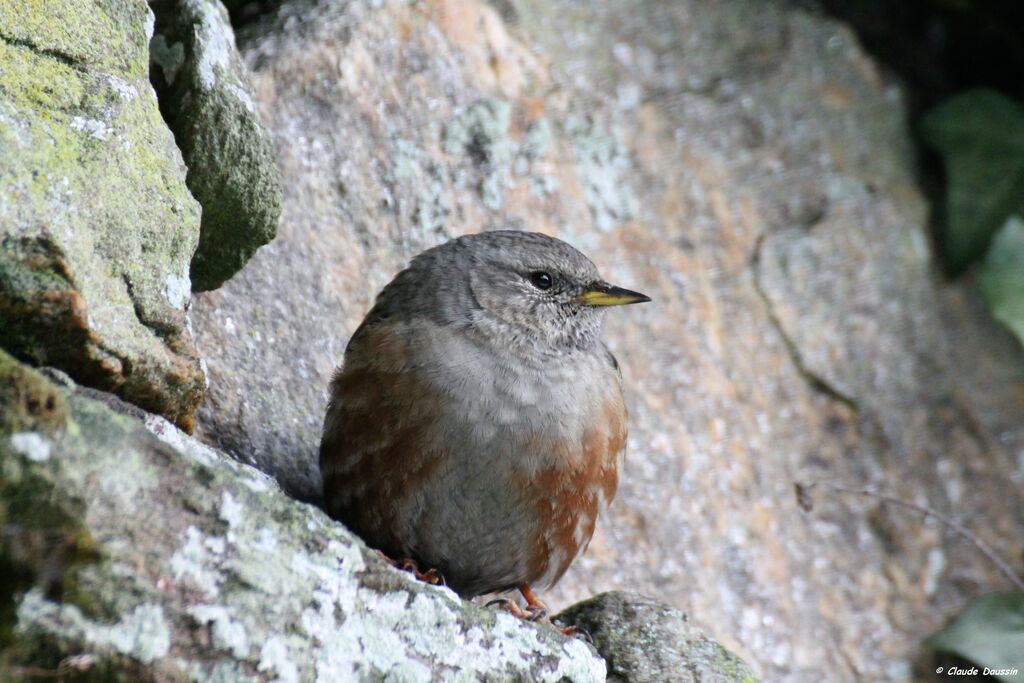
{"x":537,"y":612}
{"x":510,"y":606}
{"x":574,"y":631}
{"x":431,"y":576}
{"x":536,"y":609}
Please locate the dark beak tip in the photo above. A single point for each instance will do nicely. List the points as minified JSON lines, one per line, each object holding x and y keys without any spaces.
{"x":604,"y":294}
{"x":638,"y":298}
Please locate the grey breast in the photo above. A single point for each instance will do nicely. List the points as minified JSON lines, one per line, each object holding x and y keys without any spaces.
{"x":469,"y":520}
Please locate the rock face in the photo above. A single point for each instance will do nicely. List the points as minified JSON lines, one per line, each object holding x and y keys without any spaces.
{"x":128,"y":550}
{"x":140,"y":554}
{"x":207,"y":100}
{"x":743,"y":163}
{"x":644,"y":641}
{"x":97,"y":227}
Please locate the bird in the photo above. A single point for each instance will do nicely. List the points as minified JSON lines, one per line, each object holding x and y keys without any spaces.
{"x":477,"y":422}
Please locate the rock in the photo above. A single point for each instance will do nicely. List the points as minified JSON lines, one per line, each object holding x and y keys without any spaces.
{"x":744,"y":163}
{"x":645,"y":641}
{"x":207,"y":100}
{"x":97,"y":227}
{"x":136,"y":553}
{"x":393,"y":163}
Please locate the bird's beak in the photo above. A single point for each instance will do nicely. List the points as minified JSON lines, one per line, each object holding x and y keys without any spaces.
{"x":603,"y":294}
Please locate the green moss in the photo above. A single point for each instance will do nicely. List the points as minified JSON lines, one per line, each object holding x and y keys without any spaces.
{"x":35,"y":80}
{"x":104,"y":302}
{"x":642,"y":639}
{"x":206,"y":99}
{"x":43,"y":544}
{"x":233,"y":174}
{"x":104,"y":35}
{"x":50,"y":564}
{"x":29,"y":401}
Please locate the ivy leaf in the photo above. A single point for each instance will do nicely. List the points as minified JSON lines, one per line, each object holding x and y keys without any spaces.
{"x":980,"y":135}
{"x":1001,"y":278}
{"x":989,"y":633}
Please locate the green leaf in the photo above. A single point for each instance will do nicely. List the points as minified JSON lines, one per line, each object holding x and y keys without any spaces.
{"x":980,"y":135}
{"x":1001,"y":278}
{"x":989,"y":633}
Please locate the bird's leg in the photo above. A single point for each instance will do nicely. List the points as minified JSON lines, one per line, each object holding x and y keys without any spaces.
{"x":431,"y":576}
{"x":510,"y":606}
{"x":536,"y":609}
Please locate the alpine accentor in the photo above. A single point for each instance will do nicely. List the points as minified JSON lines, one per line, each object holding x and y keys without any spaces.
{"x":477,"y":423}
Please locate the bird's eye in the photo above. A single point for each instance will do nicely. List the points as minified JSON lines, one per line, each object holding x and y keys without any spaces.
{"x":541,"y":279}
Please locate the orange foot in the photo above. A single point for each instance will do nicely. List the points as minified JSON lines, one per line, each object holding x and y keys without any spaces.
{"x":431,"y":576}
{"x":537,"y":611}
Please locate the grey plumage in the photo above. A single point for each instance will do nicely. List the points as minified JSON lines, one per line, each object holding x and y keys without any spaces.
{"x":477,"y":420}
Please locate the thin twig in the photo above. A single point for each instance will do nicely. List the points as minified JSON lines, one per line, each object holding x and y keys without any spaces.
{"x":949,"y":523}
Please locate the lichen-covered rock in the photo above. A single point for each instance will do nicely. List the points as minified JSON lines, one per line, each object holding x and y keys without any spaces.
{"x":645,"y":641}
{"x":743,"y":162}
{"x":162,"y":559}
{"x":97,"y":227}
{"x":207,"y":100}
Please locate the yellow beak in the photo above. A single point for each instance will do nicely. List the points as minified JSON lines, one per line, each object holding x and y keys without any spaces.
{"x":603,"y":294}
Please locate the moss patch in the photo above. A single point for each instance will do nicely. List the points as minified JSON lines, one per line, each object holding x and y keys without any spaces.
{"x":90,"y":33}
{"x":94,"y":274}
{"x":43,"y":543}
{"x":207,"y":100}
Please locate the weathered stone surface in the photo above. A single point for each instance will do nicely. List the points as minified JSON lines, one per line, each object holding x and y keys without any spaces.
{"x":158,"y":558}
{"x":207,"y":100}
{"x":97,"y":227}
{"x":645,"y":641}
{"x":744,"y":163}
